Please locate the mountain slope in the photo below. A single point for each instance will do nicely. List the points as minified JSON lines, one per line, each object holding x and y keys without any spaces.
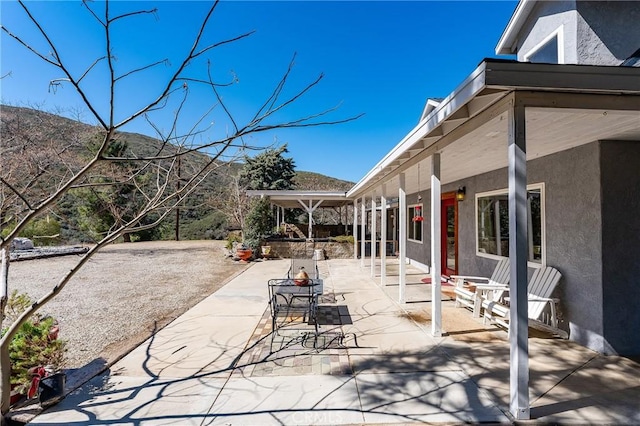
{"x":40,"y":150}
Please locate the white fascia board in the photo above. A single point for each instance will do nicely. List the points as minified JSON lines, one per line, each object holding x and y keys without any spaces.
{"x":275,"y":194}
{"x":563,"y":77}
{"x":428,"y":107}
{"x":506,"y":44}
{"x":472,"y":85}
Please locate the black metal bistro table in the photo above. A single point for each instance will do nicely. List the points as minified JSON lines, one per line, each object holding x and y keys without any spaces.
{"x":290,"y":302}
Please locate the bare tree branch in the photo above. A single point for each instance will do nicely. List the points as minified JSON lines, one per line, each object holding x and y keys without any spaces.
{"x":146,"y":67}
{"x":157,"y":179}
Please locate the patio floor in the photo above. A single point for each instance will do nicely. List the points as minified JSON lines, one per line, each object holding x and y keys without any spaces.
{"x":375,"y":362}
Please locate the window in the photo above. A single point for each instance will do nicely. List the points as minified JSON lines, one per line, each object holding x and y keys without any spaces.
{"x":548,"y":51}
{"x":415,"y":218}
{"x":492,"y":222}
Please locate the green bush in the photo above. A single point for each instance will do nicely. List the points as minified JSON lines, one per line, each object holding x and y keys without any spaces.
{"x":258,"y":223}
{"x":43,"y":227}
{"x":34,"y":345}
{"x":344,"y":239}
{"x":213,"y":226}
{"x":232,"y":238}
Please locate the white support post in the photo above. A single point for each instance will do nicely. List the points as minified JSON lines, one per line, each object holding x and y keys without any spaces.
{"x":310,"y":213}
{"x":496,"y":218}
{"x":5,"y":257}
{"x":436,"y":248}
{"x":402,"y":224}
{"x":383,"y":236}
{"x":310,"y":209}
{"x":518,"y":328}
{"x":355,"y":229}
{"x":374,"y":237}
{"x":363,"y":230}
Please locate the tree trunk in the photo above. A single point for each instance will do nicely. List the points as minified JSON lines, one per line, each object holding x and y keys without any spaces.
{"x":5,"y":362}
{"x":5,"y":375}
{"x":126,"y":237}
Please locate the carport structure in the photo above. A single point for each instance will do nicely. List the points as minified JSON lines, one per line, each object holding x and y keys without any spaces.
{"x":310,"y":201}
{"x":506,"y":117}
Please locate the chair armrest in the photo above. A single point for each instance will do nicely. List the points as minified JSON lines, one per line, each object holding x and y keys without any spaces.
{"x":534,"y":298}
{"x":504,"y":287}
{"x":470,"y":279}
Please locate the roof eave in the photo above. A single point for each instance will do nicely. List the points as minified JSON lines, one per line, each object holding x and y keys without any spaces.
{"x":507,"y":43}
{"x":505,"y":76}
{"x":473,"y":84}
{"x":290,"y":194}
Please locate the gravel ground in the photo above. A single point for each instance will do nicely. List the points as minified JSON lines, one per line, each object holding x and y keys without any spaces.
{"x":117,"y":299}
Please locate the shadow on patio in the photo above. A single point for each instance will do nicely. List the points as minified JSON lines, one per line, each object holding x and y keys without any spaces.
{"x":374,"y":362}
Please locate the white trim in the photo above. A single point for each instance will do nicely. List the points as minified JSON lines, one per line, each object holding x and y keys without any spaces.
{"x":559,"y":33}
{"x":543,"y":220}
{"x":508,"y":40}
{"x":423,"y":267}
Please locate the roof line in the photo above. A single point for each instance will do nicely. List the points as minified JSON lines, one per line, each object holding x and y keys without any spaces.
{"x":509,"y":36}
{"x":425,"y":126}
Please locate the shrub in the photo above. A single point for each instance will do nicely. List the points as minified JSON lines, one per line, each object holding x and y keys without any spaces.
{"x":34,"y":345}
{"x":231,"y":239}
{"x":258,"y":223}
{"x":45,"y":230}
{"x":213,"y":226}
{"x":344,"y":239}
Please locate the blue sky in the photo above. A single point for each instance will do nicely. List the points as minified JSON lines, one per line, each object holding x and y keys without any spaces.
{"x":383,"y":59}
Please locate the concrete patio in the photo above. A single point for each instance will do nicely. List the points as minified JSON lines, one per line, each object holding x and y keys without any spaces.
{"x":216,"y":365}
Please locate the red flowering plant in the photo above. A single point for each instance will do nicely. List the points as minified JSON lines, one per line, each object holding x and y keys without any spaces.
{"x":418,"y":217}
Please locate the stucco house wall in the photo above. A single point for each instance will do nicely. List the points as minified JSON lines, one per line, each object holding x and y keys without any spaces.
{"x":609,"y":31}
{"x":548,"y":17}
{"x":619,"y":164}
{"x":591,"y":194}
{"x":589,"y":37}
{"x":421,"y":251}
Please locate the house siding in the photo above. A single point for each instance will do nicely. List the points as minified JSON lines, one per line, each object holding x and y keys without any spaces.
{"x":608,"y":31}
{"x":546,"y":18}
{"x":620,"y":162}
{"x":421,"y":252}
{"x":573,"y":219}
{"x":594,"y":32}
{"x":574,"y":203}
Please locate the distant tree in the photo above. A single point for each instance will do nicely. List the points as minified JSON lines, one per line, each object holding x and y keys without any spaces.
{"x":268,"y":170}
{"x":161,"y":194}
{"x":258,"y":223}
{"x":233,"y":201}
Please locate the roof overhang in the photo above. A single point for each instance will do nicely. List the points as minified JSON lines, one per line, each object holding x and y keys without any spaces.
{"x":292,"y":199}
{"x":472,"y":118}
{"x":508,"y":41}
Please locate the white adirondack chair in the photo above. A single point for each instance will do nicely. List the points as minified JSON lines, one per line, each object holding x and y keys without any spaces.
{"x":493,"y":286}
{"x":541,"y":285}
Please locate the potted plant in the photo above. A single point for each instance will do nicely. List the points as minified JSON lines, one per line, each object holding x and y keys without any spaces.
{"x":266,"y":251}
{"x":244,"y":252}
{"x":35,"y":352}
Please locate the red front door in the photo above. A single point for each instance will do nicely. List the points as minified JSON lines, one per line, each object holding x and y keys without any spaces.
{"x":449,"y":232}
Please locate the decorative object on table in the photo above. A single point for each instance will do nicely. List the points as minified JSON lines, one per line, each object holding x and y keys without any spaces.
{"x":301,"y":278}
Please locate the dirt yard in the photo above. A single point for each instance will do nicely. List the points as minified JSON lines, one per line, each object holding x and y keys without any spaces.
{"x":125,"y":292}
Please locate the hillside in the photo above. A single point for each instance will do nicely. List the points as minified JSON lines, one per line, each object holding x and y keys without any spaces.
{"x":40,"y":150}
